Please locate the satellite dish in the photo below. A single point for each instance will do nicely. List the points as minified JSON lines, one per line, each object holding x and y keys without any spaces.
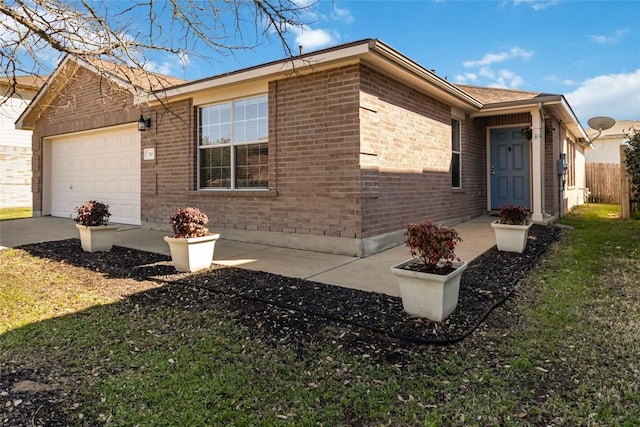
{"x":601,"y":123}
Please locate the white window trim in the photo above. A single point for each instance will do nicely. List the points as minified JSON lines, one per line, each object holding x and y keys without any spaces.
{"x":231,"y":144}
{"x":459,"y":152}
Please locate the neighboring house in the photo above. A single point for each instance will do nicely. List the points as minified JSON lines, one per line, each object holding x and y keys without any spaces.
{"x":606,"y":147}
{"x":334,"y":151}
{"x":15,"y":145}
{"x":603,"y":162}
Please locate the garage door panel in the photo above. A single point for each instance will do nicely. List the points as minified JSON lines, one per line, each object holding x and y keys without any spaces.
{"x":126,"y":188}
{"x":113,"y":164}
{"x":126,"y":163}
{"x":103,"y":166}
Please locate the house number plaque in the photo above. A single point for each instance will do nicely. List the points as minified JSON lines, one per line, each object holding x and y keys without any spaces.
{"x":149,"y":154}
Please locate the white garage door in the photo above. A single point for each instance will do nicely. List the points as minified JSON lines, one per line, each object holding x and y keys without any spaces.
{"x":102,"y":165}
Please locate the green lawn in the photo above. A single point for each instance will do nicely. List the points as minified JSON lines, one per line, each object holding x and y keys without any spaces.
{"x":562,"y":351}
{"x":15,"y":213}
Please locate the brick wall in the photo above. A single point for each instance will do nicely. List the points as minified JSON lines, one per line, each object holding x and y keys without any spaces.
{"x":406,"y":158}
{"x":313,"y":162}
{"x":508,"y":119}
{"x":86,"y":102}
{"x":167,"y":181}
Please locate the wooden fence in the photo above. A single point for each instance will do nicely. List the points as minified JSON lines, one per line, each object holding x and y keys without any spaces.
{"x":603,"y":182}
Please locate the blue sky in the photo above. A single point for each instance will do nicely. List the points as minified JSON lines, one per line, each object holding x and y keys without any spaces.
{"x":587,"y":50}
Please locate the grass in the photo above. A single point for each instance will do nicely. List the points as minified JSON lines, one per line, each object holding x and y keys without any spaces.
{"x":15,"y":213}
{"x":562,"y":352}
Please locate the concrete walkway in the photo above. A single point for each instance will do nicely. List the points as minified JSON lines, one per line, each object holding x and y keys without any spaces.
{"x":369,"y":274}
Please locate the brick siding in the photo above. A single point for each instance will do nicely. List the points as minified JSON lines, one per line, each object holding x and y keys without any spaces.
{"x":313,"y":162}
{"x":406,"y":158}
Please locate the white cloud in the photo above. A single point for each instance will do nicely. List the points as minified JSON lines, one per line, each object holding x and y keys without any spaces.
{"x":171,"y":66}
{"x":491,"y":58}
{"x":311,"y":39}
{"x":487,"y":73}
{"x":342,"y":15}
{"x":615,"y":37}
{"x":537,"y":4}
{"x":304,"y":3}
{"x":502,"y":78}
{"x":506,"y":79}
{"x":465,"y":78}
{"x":613,"y":95}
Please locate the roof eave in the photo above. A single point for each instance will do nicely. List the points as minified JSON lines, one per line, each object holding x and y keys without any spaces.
{"x":558,"y":103}
{"x":297,"y":65}
{"x":493,"y":108}
{"x":369,"y":51}
{"x":22,"y":122}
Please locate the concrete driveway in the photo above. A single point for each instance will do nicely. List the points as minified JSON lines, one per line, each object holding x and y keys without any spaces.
{"x":370,"y":274}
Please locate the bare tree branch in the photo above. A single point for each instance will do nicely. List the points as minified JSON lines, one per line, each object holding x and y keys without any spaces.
{"x":34,"y":34}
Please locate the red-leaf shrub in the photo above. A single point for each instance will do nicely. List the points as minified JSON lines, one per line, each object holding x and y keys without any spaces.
{"x":189,"y":222}
{"x":430,"y":243}
{"x":512,"y":215}
{"x":93,"y":213}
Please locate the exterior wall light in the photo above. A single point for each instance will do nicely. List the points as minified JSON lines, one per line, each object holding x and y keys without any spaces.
{"x":143,"y":124}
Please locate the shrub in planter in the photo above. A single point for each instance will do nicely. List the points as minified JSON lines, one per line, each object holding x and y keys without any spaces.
{"x":430,"y":281}
{"x":433,"y":246}
{"x":93,"y":213}
{"x":512,"y":228}
{"x":92,"y":221}
{"x":189,"y":223}
{"x":192,"y":244}
{"x":513,"y":215}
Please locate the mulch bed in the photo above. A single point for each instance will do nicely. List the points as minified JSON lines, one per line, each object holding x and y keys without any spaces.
{"x":275,"y":310}
{"x":290,"y":309}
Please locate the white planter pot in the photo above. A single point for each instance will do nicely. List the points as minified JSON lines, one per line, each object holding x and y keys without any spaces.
{"x":97,"y":238}
{"x":433,"y":296}
{"x":192,"y":254}
{"x":511,"y":238}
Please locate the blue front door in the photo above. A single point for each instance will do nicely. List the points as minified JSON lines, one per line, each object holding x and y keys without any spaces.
{"x":509,"y":168}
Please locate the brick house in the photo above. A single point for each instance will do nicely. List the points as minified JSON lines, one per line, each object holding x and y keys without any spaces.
{"x":334,"y":151}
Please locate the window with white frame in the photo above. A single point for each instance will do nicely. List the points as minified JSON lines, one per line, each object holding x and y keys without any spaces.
{"x":571,"y":163}
{"x":456,"y":161}
{"x":233,"y":148}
